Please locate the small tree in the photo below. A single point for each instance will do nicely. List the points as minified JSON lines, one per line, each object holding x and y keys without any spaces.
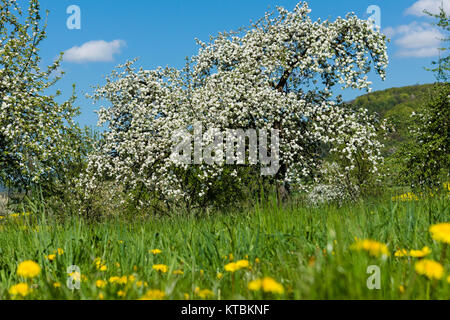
{"x":38,"y":138}
{"x":425,"y":161}
{"x":443,"y":64}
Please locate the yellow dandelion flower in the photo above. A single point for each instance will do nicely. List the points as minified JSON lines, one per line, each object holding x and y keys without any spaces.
{"x":219,"y":275}
{"x":28,"y":269}
{"x":121,"y":293}
{"x":100,"y":264}
{"x":401,"y":253}
{"x":231,"y":267}
{"x":178,"y":272}
{"x":420,"y":253}
{"x":101,"y":296}
{"x":131,"y":278}
{"x":429,"y":268}
{"x":374,"y":248}
{"x":257,"y":260}
{"x":235,"y":266}
{"x":270,"y":285}
{"x":51,"y":257}
{"x":21,"y":289}
{"x":60,"y":251}
{"x":186,"y":296}
{"x":266,"y":284}
{"x":114,"y":279}
{"x":160,"y":267}
{"x":254,"y":285}
{"x":156,"y":251}
{"x":100,"y":283}
{"x":204,"y":293}
{"x":154,"y":295}
{"x":401,"y":289}
{"x":406,"y":197}
{"x":122,"y":280}
{"x":447,"y":186}
{"x":425,"y":251}
{"x":57,"y":285}
{"x":76,"y":276}
{"x":242,"y":264}
{"x":441,"y":232}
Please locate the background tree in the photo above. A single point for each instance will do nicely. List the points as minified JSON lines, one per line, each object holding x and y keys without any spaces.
{"x":443,"y":64}
{"x":425,"y":160}
{"x":39,"y":140}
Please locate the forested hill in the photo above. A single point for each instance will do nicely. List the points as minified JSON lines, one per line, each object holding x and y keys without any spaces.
{"x":395,"y":104}
{"x":394,"y":101}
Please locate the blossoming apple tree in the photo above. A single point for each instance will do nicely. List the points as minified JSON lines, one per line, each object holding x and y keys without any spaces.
{"x":278,"y":73}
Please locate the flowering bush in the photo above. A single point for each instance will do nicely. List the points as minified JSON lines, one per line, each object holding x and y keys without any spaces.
{"x":277,"y":74}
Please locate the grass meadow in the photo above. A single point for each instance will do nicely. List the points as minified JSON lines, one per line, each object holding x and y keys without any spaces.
{"x":268,"y":252}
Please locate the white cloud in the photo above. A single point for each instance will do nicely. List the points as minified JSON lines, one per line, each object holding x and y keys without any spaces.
{"x":427,"y":38}
{"x":430,"y":5}
{"x":418,"y":40}
{"x":94,"y":51}
{"x":418,"y":53}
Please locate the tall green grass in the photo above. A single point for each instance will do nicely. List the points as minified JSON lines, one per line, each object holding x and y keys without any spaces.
{"x":307,"y":250}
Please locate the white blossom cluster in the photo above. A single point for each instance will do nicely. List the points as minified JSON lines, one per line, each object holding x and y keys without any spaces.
{"x":277,"y":74}
{"x":335,"y":186}
{"x":32,"y":124}
{"x":327,"y":193}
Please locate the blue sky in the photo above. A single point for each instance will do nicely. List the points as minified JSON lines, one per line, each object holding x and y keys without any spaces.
{"x":162,"y":33}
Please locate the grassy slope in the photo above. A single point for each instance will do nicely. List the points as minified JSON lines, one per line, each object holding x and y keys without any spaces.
{"x":307,"y":250}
